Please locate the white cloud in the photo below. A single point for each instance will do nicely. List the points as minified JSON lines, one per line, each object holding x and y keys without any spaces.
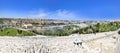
{"x":58,"y":14}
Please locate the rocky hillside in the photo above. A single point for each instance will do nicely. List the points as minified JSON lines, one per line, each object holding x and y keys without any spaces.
{"x":91,"y":43}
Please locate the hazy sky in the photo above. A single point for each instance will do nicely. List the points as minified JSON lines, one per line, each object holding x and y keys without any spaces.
{"x":61,"y":9}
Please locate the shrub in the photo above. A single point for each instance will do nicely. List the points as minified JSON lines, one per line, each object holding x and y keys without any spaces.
{"x":118,"y":32}
{"x":100,"y":28}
